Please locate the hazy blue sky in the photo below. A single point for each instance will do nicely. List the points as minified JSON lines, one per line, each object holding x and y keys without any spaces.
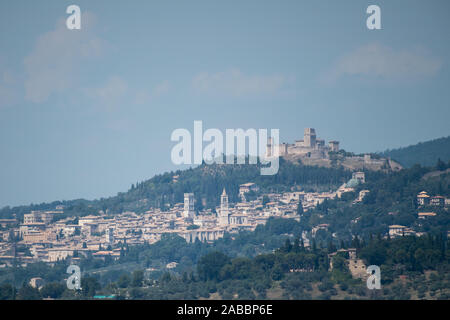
{"x":86,"y":113}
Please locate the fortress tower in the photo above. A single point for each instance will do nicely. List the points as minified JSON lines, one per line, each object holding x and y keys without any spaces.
{"x":224,"y":211}
{"x":188,"y":211}
{"x":309,"y":139}
{"x":334,"y":145}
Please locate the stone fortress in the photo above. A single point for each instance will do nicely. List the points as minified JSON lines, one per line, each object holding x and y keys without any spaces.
{"x":314,"y":151}
{"x":310,"y":146}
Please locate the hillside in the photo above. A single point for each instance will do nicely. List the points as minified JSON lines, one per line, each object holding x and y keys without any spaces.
{"x":205,"y":181}
{"x":247,"y":265}
{"x":424,"y":153}
{"x":391,"y":201}
{"x":208,"y":181}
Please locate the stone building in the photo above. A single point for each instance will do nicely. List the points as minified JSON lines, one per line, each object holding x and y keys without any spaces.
{"x":438,"y":201}
{"x":189,"y":211}
{"x":423,"y":198}
{"x":311,"y":146}
{"x":360,"y":176}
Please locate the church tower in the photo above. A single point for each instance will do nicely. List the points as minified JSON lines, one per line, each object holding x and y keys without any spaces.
{"x":188,"y":211}
{"x":109,"y":235}
{"x":224,"y":211}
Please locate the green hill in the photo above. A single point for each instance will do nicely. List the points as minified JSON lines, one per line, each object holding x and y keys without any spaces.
{"x":208,"y":181}
{"x":205,"y":181}
{"x":424,"y":153}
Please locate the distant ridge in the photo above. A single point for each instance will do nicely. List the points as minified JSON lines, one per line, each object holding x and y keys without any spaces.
{"x":424,"y":153}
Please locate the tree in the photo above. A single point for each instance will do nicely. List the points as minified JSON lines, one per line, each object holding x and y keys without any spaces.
{"x":277,"y":273}
{"x":356,"y":243}
{"x":297,"y":245}
{"x":89,"y":286}
{"x":331,"y":246}
{"x":265,"y":200}
{"x":209,"y":266}
{"x":440,"y":165}
{"x":198,"y":203}
{"x":27,"y":292}
{"x":124,"y":281}
{"x":300,"y":208}
{"x":287,"y":246}
{"x":52,"y":290}
{"x":138,"y":278}
{"x":314,"y":245}
{"x":6,"y":292}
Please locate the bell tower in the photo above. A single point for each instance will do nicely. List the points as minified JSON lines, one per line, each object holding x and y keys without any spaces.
{"x":224,"y":211}
{"x":188,"y":211}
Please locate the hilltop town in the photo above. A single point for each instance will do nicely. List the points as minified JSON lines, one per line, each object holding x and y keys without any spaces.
{"x":51,"y":239}
{"x":48,"y":237}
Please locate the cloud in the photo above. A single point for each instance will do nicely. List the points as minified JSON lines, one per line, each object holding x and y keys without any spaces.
{"x":375,"y":60}
{"x":51,"y":66}
{"x":236,"y":83}
{"x":109,"y":95}
{"x":9,"y":87}
{"x":8,"y":93}
{"x":115,"y":92}
{"x":161,"y":88}
{"x":114,"y":89}
{"x":145,"y":96}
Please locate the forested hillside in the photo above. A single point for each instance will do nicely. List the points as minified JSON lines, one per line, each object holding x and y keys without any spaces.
{"x":247,"y":265}
{"x":205,"y":181}
{"x":423,"y":153}
{"x":391,"y":201}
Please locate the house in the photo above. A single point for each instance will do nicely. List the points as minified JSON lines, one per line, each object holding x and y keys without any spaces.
{"x":247,"y":187}
{"x":423,"y":199}
{"x":7,"y":222}
{"x":360,"y":176}
{"x":423,"y":215}
{"x":323,"y":226}
{"x":437,"y":201}
{"x":171,"y":265}
{"x":57,"y":254}
{"x":104,"y":254}
{"x":37,"y":282}
{"x":398,"y":231}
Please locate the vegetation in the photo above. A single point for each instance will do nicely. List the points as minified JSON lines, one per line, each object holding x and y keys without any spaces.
{"x":391,"y":200}
{"x":272,"y":261}
{"x":411,"y":267}
{"x":424,"y":153}
{"x":206,"y":181}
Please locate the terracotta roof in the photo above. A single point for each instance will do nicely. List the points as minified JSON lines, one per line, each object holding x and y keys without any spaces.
{"x":429,"y":214}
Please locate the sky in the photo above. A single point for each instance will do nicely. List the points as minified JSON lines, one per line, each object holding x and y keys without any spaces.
{"x":86,"y":113}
